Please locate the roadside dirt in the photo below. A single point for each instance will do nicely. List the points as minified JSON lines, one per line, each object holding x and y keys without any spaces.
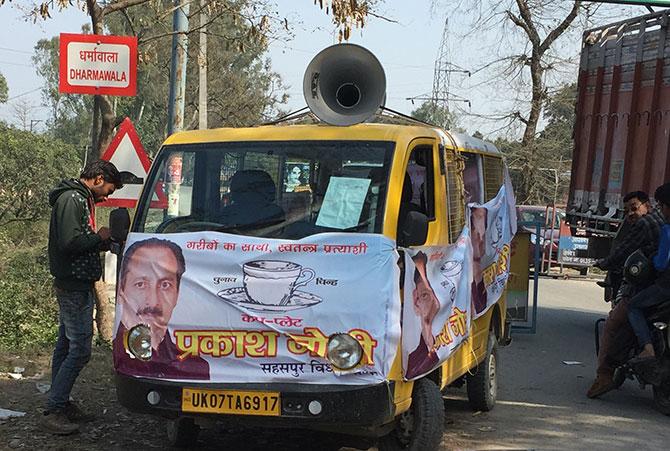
{"x":114,"y":427}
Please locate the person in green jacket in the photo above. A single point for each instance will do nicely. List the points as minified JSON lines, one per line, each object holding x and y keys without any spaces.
{"x":74,"y":262}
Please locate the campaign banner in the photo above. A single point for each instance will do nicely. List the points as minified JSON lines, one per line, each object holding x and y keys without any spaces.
{"x":436,"y":308}
{"x":448,"y":286}
{"x":492,"y":227}
{"x":230,"y":308}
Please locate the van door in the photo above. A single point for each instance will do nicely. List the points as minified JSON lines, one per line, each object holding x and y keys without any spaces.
{"x":424,"y":189}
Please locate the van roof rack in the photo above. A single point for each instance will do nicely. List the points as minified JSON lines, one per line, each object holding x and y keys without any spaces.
{"x":384,"y":115}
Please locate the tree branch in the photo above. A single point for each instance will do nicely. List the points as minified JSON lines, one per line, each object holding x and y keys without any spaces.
{"x":528,"y":20}
{"x":518,"y":22}
{"x":556,"y":32}
{"x":121,"y":4}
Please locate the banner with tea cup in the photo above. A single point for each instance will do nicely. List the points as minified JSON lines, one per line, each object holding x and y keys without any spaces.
{"x":230,"y":308}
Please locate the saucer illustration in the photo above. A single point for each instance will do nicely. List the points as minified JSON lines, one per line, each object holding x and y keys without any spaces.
{"x":298,"y":300}
{"x":451,"y":268}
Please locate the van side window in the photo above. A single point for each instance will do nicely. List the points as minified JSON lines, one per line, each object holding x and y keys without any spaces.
{"x":493,"y":176}
{"x":473,"y":178}
{"x":421,"y":175}
{"x":455,"y":193}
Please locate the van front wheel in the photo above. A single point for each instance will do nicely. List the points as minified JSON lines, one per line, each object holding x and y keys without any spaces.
{"x":421,"y":427}
{"x":483,"y":385}
{"x":182,"y":432}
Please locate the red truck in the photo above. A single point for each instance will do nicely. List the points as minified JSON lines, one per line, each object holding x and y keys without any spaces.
{"x":622,"y":128}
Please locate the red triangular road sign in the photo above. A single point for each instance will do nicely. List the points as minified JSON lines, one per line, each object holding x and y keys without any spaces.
{"x":127,"y":154}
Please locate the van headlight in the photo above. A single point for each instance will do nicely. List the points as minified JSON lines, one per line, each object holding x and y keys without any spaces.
{"x":139,"y":342}
{"x":343,"y":351}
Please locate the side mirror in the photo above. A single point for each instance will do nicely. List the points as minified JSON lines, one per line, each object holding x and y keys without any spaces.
{"x":119,"y":224}
{"x":414,"y":230}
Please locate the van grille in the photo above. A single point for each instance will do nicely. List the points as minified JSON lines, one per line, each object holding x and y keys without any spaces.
{"x":493,"y":176}
{"x":455,"y":194}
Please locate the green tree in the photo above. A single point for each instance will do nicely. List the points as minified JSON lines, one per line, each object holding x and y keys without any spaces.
{"x":3,"y":89}
{"x":70,"y":118}
{"x":434,"y":114}
{"x":30,"y":164}
{"x":242,"y":88}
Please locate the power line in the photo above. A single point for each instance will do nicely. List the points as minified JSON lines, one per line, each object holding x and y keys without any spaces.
{"x":15,"y":50}
{"x":23,"y":94}
{"x":16,"y":64}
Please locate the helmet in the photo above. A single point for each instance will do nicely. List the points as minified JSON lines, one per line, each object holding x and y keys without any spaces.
{"x":638,"y":269}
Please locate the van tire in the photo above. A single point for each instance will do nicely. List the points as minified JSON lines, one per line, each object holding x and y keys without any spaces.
{"x":482,"y":386}
{"x":662,"y":399}
{"x":182,"y":432}
{"x":422,"y":426}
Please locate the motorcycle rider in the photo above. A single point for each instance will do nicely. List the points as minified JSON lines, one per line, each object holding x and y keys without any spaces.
{"x":658,"y":292}
{"x":633,"y":209}
{"x":616,"y":333}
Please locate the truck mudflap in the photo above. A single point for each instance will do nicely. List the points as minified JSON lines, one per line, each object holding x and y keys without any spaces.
{"x":357,"y":410}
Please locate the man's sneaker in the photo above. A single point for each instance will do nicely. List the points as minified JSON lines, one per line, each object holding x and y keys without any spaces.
{"x":601,"y":385}
{"x":75,"y":414}
{"x":57,"y":422}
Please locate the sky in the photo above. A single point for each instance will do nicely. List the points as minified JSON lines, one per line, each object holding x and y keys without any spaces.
{"x":406,"y":45}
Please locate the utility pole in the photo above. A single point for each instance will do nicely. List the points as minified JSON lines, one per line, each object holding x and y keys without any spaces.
{"x":202,"y":67}
{"x":178,"y":70}
{"x":176,"y":100}
{"x":441,"y":97}
{"x":442,"y":74}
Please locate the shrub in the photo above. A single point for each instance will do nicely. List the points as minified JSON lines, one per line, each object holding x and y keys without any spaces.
{"x":28,"y":308}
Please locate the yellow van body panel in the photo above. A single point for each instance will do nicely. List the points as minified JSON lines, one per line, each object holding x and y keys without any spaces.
{"x":405,"y":137}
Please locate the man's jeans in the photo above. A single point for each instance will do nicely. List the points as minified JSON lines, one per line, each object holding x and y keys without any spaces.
{"x":73,"y":348}
{"x":646,"y":298}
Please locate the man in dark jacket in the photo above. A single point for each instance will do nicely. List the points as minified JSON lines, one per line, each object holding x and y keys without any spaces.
{"x":644,"y":235}
{"x":74,"y":261}
{"x":659,"y":292}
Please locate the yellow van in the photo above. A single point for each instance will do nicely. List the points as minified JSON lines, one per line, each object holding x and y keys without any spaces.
{"x":408,"y":166}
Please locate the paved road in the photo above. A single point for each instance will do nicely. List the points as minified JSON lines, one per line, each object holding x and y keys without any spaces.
{"x":542,"y":402}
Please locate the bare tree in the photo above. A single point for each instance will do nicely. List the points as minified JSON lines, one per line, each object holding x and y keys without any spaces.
{"x":525,"y":57}
{"x":23,"y":109}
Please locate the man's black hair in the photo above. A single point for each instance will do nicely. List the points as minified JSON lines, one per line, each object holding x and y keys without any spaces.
{"x":153,"y":242}
{"x":104,"y":168}
{"x":662,"y":194}
{"x":639,"y":195}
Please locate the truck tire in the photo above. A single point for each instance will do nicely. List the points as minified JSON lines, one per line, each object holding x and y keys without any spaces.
{"x":182,"y":432}
{"x":662,"y":399}
{"x":482,"y":386}
{"x":422,"y":426}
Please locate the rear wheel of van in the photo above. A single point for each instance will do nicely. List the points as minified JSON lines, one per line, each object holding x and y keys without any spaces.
{"x":483,"y":385}
{"x":421,"y":427}
{"x":662,"y":399}
{"x":182,"y":432}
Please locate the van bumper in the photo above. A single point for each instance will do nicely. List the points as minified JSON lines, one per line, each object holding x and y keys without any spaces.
{"x":358,"y":410}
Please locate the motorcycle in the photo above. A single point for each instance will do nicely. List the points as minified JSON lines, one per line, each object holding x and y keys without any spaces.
{"x":639,"y":273}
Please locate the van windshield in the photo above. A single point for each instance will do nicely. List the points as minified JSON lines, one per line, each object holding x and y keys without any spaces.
{"x":286,"y":190}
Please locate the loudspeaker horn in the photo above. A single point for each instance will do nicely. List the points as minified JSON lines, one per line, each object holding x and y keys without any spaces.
{"x":344,"y":84}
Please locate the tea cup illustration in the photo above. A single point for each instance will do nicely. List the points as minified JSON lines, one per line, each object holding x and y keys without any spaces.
{"x":272,"y":282}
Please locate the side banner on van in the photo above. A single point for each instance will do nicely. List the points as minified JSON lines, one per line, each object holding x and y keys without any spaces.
{"x":448,"y":286}
{"x":229,"y":308}
{"x":492,"y":227}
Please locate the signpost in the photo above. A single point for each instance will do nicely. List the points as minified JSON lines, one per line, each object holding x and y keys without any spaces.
{"x":98,"y":64}
{"x":573,"y":250}
{"x":128,"y":155}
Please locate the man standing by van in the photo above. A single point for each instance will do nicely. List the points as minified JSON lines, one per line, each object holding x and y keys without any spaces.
{"x":644,"y":235}
{"x":74,"y":261}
